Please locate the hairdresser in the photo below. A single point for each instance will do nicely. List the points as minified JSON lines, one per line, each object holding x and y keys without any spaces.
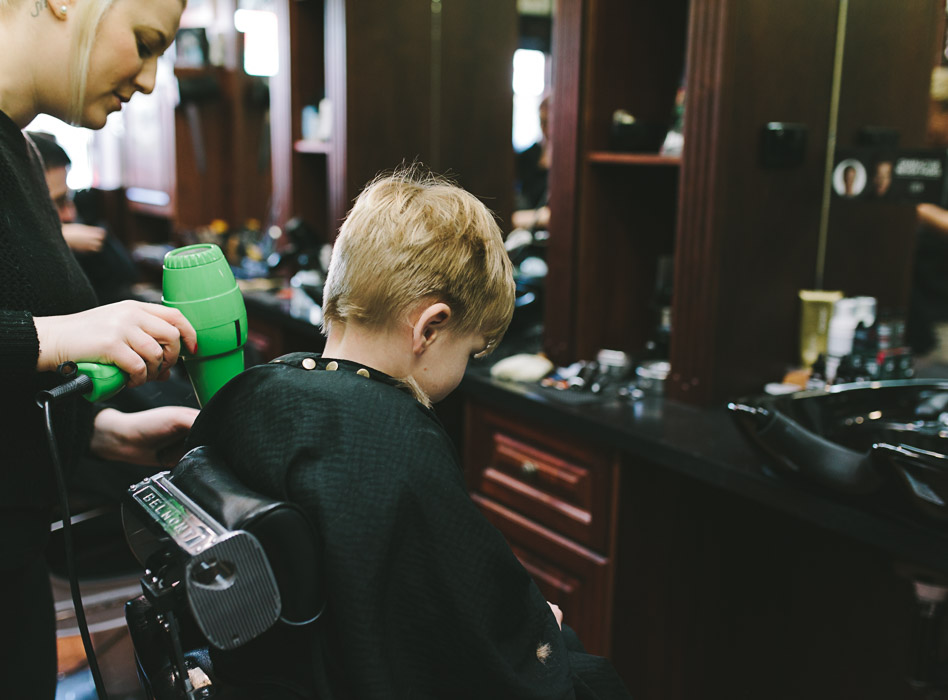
{"x":77,"y":60}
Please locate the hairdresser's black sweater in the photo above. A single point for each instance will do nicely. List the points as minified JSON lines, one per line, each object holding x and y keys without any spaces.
{"x":38,"y":277}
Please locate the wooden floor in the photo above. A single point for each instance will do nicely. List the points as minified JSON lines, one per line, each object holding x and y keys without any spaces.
{"x":103,"y":602}
{"x":114,"y":654}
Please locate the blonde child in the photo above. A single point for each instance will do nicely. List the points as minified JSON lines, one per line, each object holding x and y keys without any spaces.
{"x":425,"y":597}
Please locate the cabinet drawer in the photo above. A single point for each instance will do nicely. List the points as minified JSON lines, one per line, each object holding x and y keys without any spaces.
{"x":562,"y":484}
{"x":567,"y":574}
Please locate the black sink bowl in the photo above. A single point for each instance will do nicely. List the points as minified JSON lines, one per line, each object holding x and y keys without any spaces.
{"x":883,"y":440}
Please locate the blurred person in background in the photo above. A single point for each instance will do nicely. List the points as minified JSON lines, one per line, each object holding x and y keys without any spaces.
{"x":101,"y":254}
{"x":927,"y":326}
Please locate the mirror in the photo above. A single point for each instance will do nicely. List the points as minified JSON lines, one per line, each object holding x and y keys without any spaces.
{"x":532,"y":73}
{"x":927,"y":317}
{"x":881,"y":122}
{"x":527,"y":231}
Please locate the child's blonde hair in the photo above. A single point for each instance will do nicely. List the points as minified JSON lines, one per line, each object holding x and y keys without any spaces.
{"x":413,"y":236}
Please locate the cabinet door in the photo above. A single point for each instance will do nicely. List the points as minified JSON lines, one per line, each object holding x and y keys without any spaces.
{"x":569,"y":575}
{"x":563,"y":484}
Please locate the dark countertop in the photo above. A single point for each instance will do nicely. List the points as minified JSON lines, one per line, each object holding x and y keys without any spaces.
{"x":267,"y":306}
{"x":705,"y":444}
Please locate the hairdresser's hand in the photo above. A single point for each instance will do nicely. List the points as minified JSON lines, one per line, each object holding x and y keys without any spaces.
{"x":84,"y":239}
{"x":152,"y":438}
{"x":557,"y":613}
{"x":532,"y":219}
{"x":141,"y":339}
{"x":933,"y":215}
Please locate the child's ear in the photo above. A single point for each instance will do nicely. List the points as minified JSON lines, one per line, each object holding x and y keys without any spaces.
{"x":429,"y":325}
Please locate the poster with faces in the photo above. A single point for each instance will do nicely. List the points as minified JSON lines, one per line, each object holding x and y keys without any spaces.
{"x":890,"y":174}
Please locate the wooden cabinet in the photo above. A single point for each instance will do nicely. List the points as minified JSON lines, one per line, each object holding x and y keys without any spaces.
{"x":744,"y":237}
{"x":692,"y":592}
{"x":552,"y":496}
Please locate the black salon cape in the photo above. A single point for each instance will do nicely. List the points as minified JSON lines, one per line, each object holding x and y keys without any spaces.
{"x":425,"y":597}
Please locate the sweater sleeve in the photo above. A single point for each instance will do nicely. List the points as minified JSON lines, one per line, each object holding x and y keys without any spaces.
{"x":19,"y":344}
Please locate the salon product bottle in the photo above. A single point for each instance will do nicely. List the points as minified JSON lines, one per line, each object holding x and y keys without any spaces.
{"x":845,"y":370}
{"x":842,"y":326}
{"x":864,"y":342}
{"x":657,"y":347}
{"x":847,"y":314}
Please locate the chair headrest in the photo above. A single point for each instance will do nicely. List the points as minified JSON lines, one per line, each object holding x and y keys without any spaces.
{"x":244,"y":560}
{"x":283,"y":529}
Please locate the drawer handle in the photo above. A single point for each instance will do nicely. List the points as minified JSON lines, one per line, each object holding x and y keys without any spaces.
{"x":528,"y":469}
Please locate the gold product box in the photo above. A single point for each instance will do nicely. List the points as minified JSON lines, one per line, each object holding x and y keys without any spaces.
{"x":816,"y":311}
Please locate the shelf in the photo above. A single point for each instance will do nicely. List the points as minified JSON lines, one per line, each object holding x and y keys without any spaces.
{"x":193,"y":71}
{"x":621,"y":158}
{"x":312,"y":147}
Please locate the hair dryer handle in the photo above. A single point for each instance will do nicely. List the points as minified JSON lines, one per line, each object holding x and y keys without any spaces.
{"x":107,"y":380}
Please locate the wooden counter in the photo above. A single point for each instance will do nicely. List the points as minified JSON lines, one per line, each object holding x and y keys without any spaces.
{"x":674,"y":551}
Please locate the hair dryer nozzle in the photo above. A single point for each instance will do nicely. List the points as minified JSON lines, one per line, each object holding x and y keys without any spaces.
{"x":198,"y":281}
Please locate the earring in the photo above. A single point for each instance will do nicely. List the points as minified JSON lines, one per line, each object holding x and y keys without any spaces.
{"x":63,"y":9}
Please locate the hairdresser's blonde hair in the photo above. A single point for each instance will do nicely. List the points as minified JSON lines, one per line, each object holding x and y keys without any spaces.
{"x":88,"y":15}
{"x":411,"y":237}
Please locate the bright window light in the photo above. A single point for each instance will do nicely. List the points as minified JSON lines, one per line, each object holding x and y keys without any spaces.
{"x":529,"y":70}
{"x":529,"y":85}
{"x":259,"y":27}
{"x":77,"y":143}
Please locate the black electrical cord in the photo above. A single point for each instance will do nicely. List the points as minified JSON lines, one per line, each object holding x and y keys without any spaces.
{"x":45,"y":399}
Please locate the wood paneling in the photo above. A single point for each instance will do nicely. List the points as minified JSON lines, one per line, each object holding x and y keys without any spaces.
{"x":561,"y":303}
{"x":388,"y":88}
{"x":476,"y":99}
{"x":742,"y":258}
{"x":222,"y":148}
{"x":434,"y":87}
{"x":428,"y":82}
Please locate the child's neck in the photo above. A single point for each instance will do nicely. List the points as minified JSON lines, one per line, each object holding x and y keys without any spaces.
{"x":386,"y":351}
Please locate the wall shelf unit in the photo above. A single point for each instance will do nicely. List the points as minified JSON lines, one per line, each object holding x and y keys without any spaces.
{"x":314,"y":147}
{"x":617,"y":158}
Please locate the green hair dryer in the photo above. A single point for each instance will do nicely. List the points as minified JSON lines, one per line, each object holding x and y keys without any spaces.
{"x":198,"y":281}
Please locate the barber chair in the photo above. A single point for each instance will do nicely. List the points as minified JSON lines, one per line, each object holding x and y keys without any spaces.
{"x":231,"y":591}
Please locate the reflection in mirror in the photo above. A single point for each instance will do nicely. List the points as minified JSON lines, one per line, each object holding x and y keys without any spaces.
{"x":532,"y":77}
{"x":927,"y":323}
{"x":257,"y":22}
{"x":532,"y":72}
